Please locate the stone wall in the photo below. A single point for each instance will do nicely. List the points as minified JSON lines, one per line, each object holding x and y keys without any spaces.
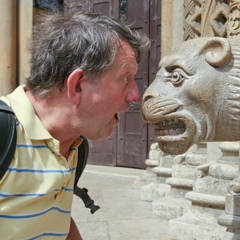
{"x":15,"y":31}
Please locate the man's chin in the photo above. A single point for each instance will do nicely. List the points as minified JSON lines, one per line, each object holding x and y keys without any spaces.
{"x":102,"y":136}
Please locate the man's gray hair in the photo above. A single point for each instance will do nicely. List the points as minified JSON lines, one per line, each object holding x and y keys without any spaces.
{"x":65,"y":41}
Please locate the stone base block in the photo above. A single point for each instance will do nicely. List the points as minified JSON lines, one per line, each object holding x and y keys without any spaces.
{"x":232,"y":222}
{"x":147,"y":178}
{"x":154,"y":191}
{"x":211,"y":185}
{"x":170,"y":207}
{"x":195,"y":225}
{"x":232,"y":235}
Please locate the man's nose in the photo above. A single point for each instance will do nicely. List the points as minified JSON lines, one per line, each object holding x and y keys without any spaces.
{"x":134,"y":94}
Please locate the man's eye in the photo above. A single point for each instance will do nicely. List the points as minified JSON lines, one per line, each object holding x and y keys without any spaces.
{"x":126,"y":78}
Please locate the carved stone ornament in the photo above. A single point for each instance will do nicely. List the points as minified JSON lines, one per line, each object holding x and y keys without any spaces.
{"x":195,"y":96}
{"x":234,"y":19}
{"x":234,"y":187}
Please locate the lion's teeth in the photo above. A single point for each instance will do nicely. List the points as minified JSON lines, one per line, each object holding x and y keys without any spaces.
{"x":178,"y":131}
{"x":171,"y":132}
{"x":168,"y":122}
{"x":170,"y":127}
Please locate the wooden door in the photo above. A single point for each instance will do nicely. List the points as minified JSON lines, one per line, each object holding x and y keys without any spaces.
{"x":132,"y":131}
{"x":135,"y":136}
{"x":155,"y":52}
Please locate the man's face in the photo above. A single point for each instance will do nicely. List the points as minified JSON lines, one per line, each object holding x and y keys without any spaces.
{"x":110,"y":95}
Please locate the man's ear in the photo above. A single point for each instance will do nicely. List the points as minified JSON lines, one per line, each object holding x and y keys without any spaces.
{"x":74,"y":82}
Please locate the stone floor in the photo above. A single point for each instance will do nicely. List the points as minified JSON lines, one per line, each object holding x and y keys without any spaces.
{"x":122,"y":216}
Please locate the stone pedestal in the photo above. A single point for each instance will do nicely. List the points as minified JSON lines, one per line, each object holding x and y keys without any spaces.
{"x":207,"y":198}
{"x":158,"y":188}
{"x":196,"y":225}
{"x":148,"y":175}
{"x":174,"y":204}
{"x":231,"y":218}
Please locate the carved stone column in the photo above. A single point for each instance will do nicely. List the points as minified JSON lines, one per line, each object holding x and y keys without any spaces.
{"x":8,"y":46}
{"x":25,"y":19}
{"x":208,"y":197}
{"x":231,"y":217}
{"x":166,"y":30}
{"x":174,"y":204}
{"x":158,"y":188}
{"x":148,"y":175}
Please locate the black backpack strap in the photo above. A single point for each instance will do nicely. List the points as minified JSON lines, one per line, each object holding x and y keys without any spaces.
{"x":83,"y":151}
{"x":8,"y":139}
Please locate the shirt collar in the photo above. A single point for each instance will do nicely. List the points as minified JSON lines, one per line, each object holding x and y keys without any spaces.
{"x":24,"y":111}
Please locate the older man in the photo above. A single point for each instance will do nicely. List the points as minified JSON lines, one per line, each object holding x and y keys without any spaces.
{"x":82,"y":76}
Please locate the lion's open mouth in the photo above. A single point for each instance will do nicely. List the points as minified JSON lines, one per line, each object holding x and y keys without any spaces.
{"x":170,"y":127}
{"x":175,"y":133}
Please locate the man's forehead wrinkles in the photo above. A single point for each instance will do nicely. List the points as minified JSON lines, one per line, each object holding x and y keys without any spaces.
{"x":126,"y":67}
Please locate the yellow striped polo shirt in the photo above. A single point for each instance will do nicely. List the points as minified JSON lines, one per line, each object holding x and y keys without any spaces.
{"x":37,"y":190}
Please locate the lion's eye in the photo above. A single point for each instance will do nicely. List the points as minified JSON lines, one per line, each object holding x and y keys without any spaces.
{"x":177,"y":77}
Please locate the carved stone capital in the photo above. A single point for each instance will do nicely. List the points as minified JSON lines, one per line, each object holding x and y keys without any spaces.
{"x":180,"y":159}
{"x":234,"y":19}
{"x":202,"y":170}
{"x":234,"y":187}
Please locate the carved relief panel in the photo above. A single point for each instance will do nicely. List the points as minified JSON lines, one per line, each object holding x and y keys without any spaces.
{"x":205,"y":18}
{"x":234,"y":19}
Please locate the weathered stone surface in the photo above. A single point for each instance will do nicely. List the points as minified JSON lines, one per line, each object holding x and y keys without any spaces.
{"x":196,"y":225}
{"x":153,"y":161}
{"x":148,"y":175}
{"x":153,"y":191}
{"x":158,"y":188}
{"x":8,"y":46}
{"x":171,"y":206}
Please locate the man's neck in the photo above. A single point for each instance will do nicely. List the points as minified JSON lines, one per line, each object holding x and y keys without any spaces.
{"x":51,"y":112}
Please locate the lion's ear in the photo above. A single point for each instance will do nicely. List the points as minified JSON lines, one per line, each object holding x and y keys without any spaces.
{"x":217,"y":51}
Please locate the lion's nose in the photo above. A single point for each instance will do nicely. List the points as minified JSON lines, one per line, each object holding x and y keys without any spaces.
{"x":154,"y":108}
{"x":148,"y":96}
{"x":153,"y":91}
{"x":144,"y":107}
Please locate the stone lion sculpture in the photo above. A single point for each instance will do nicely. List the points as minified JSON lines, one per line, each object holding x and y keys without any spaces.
{"x":195,"y":96}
